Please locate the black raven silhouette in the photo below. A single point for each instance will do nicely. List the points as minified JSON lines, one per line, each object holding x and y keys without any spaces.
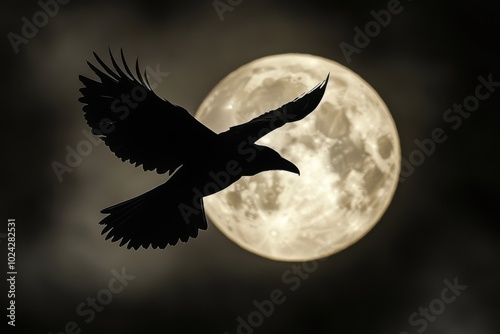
{"x":150,"y":131}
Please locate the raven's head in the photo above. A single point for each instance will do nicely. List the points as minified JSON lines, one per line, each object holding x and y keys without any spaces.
{"x":268,"y":159}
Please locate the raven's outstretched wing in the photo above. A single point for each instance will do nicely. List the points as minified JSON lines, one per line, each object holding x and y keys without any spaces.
{"x":135,"y":123}
{"x":292,"y":111}
{"x":155,"y":218}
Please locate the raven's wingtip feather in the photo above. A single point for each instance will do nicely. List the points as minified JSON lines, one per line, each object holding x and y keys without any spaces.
{"x":325,"y":82}
{"x":322,"y":85}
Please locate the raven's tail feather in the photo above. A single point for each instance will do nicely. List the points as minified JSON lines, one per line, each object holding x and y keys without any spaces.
{"x":159,"y":217}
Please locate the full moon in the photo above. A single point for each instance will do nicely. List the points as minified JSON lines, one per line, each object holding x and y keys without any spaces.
{"x":347,"y":151}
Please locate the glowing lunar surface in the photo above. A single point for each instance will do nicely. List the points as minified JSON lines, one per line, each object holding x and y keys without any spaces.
{"x":347,"y":150}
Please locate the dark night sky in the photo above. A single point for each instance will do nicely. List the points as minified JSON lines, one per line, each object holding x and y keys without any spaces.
{"x":442,"y":224}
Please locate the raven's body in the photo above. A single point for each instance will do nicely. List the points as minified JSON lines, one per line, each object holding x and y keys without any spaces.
{"x":164,"y":137}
